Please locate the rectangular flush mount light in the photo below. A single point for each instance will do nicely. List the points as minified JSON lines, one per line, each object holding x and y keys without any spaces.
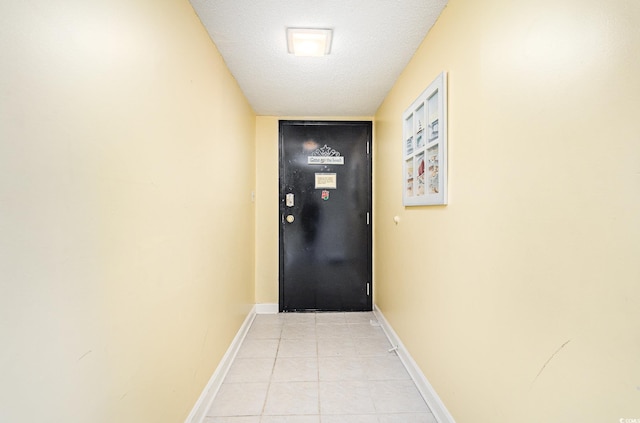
{"x":309,"y":42}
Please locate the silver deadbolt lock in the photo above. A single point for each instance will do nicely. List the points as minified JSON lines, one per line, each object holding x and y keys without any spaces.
{"x":289,"y":200}
{"x":290,"y":218}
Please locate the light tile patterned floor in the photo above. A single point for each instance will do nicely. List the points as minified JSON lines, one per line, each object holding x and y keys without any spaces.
{"x":317,"y":368}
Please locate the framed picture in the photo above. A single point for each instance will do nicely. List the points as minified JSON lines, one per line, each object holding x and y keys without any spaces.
{"x":424,"y":147}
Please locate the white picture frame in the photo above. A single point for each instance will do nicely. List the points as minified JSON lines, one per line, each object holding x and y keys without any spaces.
{"x":424,"y":147}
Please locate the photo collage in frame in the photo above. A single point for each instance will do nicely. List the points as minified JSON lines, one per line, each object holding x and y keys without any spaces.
{"x":424,"y":147}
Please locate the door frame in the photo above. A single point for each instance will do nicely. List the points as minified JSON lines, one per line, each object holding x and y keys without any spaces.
{"x":282,"y":208}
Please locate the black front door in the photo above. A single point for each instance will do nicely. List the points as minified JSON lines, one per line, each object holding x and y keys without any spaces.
{"x":325,"y":212}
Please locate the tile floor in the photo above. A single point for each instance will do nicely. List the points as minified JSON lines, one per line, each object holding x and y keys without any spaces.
{"x":317,"y":368}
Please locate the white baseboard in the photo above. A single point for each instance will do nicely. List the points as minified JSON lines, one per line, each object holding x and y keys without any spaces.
{"x":199,"y":411}
{"x":429,"y":394}
{"x":267,"y":308}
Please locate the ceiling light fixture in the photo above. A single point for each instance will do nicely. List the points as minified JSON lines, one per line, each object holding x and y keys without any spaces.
{"x":309,"y":42}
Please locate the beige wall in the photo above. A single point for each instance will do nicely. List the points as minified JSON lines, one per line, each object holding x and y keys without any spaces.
{"x":267,"y":202}
{"x":519,"y":299}
{"x":126,"y":222}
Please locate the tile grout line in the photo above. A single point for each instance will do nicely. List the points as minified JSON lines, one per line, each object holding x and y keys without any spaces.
{"x":318,"y":369}
{"x":273,"y":368}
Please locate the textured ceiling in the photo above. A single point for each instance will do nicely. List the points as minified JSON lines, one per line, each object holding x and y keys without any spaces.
{"x":373,"y":40}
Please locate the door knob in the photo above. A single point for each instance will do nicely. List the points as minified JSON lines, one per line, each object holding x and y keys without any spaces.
{"x":290,"y":218}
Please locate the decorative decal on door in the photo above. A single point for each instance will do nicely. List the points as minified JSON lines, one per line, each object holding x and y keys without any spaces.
{"x":325,"y":195}
{"x":325,"y":155}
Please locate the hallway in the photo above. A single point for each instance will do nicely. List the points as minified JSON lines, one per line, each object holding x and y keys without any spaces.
{"x":140,"y":221}
{"x":317,"y":368}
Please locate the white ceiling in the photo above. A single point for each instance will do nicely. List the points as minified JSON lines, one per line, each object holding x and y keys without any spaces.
{"x":373,"y":40}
